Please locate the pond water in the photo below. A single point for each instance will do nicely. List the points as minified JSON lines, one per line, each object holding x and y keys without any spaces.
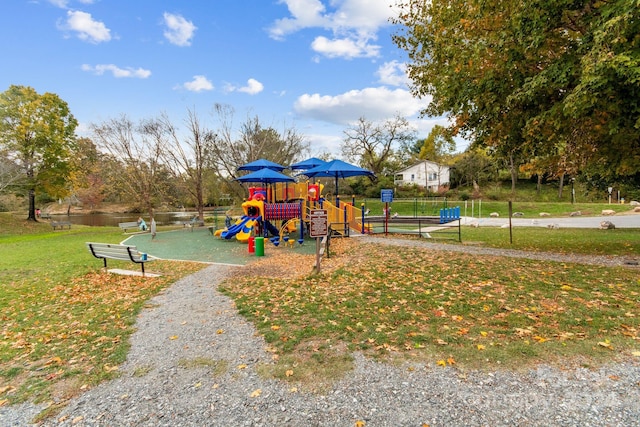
{"x":112,"y":219}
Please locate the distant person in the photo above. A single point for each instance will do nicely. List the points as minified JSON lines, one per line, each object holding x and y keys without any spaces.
{"x":141,"y":224}
{"x":38,"y":213}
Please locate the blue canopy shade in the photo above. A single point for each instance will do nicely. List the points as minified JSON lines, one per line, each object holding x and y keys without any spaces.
{"x":261,"y":164}
{"x":307,"y":164}
{"x":337,"y":169}
{"x":265,"y":175}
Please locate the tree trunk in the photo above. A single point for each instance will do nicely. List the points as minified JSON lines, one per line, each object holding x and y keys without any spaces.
{"x":560,"y":186}
{"x":539,"y":184}
{"x":32,"y":205}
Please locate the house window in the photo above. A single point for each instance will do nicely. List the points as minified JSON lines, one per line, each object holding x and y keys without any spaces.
{"x":433,"y":176}
{"x":399,"y":177}
{"x":413,"y":177}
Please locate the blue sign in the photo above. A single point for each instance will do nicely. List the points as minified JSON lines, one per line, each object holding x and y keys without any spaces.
{"x":386,"y":195}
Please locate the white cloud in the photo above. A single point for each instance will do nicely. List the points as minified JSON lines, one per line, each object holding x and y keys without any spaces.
{"x":64,"y":4}
{"x":324,"y":144}
{"x":346,"y":48}
{"x":377,"y":103}
{"x":60,"y":3}
{"x":305,"y":14}
{"x":86,"y":27}
{"x":253,"y":87}
{"x":179,"y":31}
{"x":116,"y":71}
{"x":198,"y":84}
{"x":393,"y":73}
{"x":353,"y":23}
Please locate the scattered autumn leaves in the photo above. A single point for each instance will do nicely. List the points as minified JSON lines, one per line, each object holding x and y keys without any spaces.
{"x":74,"y":332}
{"x":451,"y":308}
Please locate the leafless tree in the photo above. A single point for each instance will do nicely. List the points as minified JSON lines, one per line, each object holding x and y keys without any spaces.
{"x":139,"y":150}
{"x":372,"y":145}
{"x":186,"y":156}
{"x":253,"y":141}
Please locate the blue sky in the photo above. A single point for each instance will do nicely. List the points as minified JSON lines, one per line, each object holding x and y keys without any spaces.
{"x":316,"y":65}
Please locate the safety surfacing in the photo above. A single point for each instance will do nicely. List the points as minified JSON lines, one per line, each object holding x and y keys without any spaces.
{"x":198,"y":244}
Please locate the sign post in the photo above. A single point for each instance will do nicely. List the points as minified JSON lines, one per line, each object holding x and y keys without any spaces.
{"x":386,"y":197}
{"x":318,"y":228}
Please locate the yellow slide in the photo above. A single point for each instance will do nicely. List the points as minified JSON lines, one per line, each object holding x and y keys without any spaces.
{"x":244,"y":234}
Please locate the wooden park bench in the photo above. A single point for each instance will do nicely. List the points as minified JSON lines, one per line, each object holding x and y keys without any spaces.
{"x":45,"y":215}
{"x":61,"y":224}
{"x":128,"y":225}
{"x":193,"y":223}
{"x":106,"y":251}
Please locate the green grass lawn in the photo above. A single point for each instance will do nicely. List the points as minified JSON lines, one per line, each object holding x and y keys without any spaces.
{"x":443,"y":308}
{"x":66,"y":324}
{"x":482,"y":208}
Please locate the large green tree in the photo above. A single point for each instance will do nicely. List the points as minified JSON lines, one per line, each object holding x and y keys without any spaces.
{"x":37,"y":133}
{"x":531,"y":78}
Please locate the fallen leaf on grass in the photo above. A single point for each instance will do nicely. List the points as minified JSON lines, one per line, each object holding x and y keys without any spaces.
{"x":606,"y":344}
{"x":636,"y":353}
{"x":54,"y":360}
{"x":256,"y":393}
{"x":441,"y":363}
{"x":289,"y":373}
{"x":360,"y":423}
{"x":242,"y":366}
{"x":173,"y":337}
{"x":480,"y":347}
{"x":6,"y":389}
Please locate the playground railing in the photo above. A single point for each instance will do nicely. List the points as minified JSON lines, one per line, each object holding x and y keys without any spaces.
{"x":447,"y":225}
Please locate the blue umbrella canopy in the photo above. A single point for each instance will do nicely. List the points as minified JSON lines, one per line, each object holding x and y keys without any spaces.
{"x":337,"y":169}
{"x":307,"y":164}
{"x":265,"y":175}
{"x":261,"y":164}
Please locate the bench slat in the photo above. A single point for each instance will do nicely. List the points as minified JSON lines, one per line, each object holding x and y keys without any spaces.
{"x":117,"y":252}
{"x":127,"y":225}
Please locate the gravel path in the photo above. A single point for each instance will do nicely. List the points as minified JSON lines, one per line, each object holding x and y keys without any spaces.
{"x":193,"y":363}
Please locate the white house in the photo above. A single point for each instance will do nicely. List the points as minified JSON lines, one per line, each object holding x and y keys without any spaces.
{"x":425,"y":174}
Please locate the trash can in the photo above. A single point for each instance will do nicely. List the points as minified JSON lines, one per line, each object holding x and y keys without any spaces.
{"x":252,"y":244}
{"x":259,"y":242}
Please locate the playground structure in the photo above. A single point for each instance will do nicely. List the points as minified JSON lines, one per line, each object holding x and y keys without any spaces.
{"x":288,"y":205}
{"x":281,"y":213}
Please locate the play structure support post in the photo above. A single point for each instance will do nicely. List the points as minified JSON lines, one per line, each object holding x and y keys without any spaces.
{"x":301,"y":223}
{"x":362,"y":213}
